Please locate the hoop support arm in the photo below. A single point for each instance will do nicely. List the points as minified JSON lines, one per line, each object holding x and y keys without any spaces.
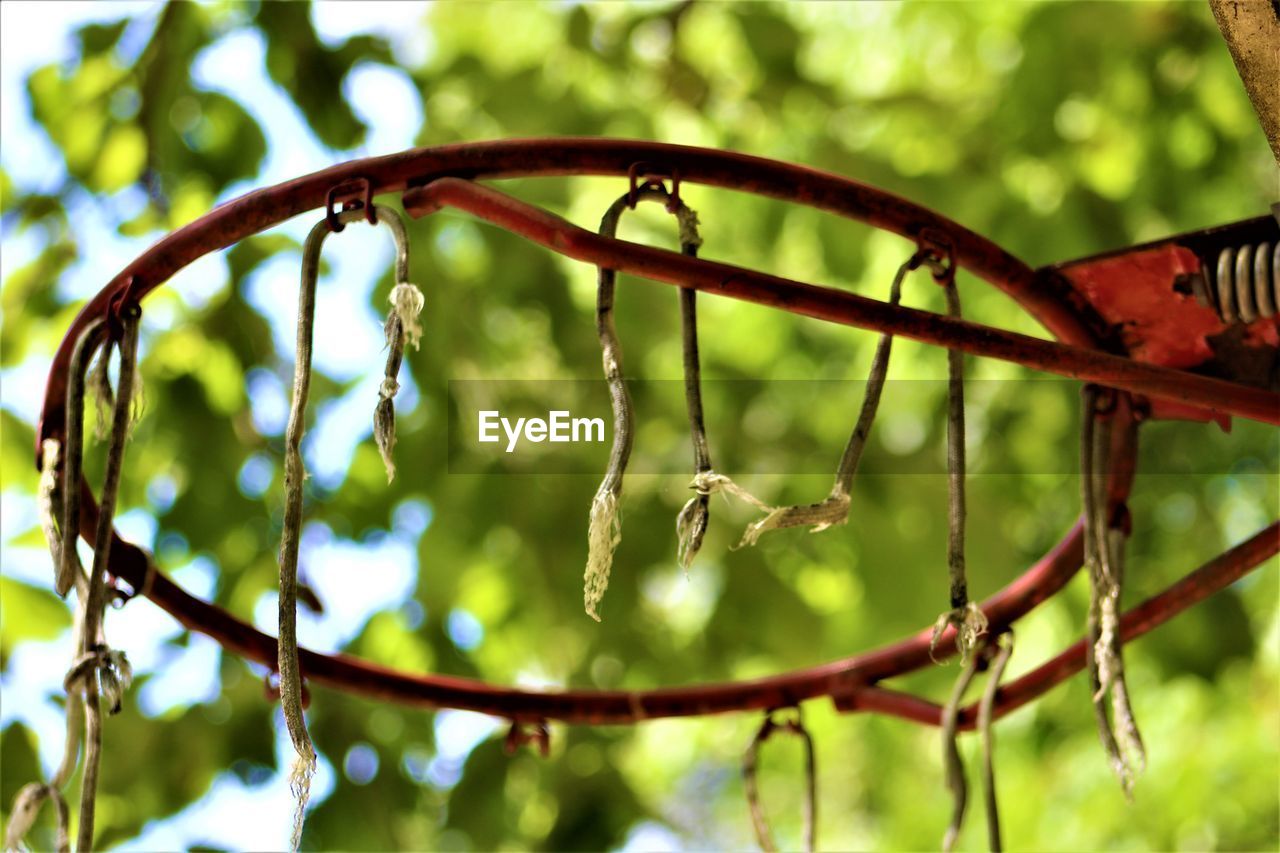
{"x":841,"y":307}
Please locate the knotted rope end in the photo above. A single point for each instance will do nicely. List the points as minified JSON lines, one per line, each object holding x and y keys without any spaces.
{"x":970,"y":624}
{"x":407,"y":302}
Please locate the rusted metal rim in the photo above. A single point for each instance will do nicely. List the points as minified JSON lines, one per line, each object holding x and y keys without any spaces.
{"x":1044,"y":296}
{"x":1057,"y":308}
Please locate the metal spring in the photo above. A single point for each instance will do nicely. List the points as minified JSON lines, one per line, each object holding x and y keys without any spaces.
{"x":1246,"y":288}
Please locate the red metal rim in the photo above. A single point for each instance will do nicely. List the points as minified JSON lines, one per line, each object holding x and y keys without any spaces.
{"x":1056,"y":306}
{"x":1046,"y":298}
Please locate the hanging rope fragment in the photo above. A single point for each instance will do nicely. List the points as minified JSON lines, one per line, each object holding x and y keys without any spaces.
{"x":68,"y":565}
{"x":1002,"y":649}
{"x":101,"y":671}
{"x":691,"y":523}
{"x":402,"y":327}
{"x":969,"y":620}
{"x":99,"y":388}
{"x":1090,"y":495}
{"x":1121,"y":705}
{"x":26,"y":808}
{"x":835,"y":509}
{"x":104,"y":396}
{"x":951,"y":760}
{"x":604,"y":530}
{"x":750,"y":762}
{"x":31,"y":797}
{"x":120,"y":424}
{"x":49,"y":501}
{"x":304,"y":763}
{"x":1104,"y":537}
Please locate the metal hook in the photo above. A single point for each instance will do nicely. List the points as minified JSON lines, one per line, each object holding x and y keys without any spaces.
{"x":937,"y":251}
{"x":122,"y":301}
{"x":347,"y":193}
{"x":375,"y":214}
{"x":1105,"y":400}
{"x":536,"y":733}
{"x":796,"y":727}
{"x":655,"y":175}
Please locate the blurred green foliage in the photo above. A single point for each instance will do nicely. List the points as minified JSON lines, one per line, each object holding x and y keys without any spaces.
{"x":1058,"y":129}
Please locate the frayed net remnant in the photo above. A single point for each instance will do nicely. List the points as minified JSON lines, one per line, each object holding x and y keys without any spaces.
{"x":407,"y":302}
{"x":970,"y":622}
{"x":691,"y":526}
{"x":104,"y":396}
{"x":115,"y":676}
{"x":1105,"y":647}
{"x":402,"y":327}
{"x":691,"y":523}
{"x":384,"y":425}
{"x":301,"y":773}
{"x":603,"y":535}
{"x":49,"y":501}
{"x":831,"y":512}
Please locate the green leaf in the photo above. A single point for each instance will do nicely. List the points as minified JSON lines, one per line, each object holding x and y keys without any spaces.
{"x":100,"y":38}
{"x":312,"y":73}
{"x":28,"y":613}
{"x":229,"y":143}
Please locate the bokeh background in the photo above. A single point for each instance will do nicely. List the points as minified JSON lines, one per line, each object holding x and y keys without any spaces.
{"x":1059,"y":130}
